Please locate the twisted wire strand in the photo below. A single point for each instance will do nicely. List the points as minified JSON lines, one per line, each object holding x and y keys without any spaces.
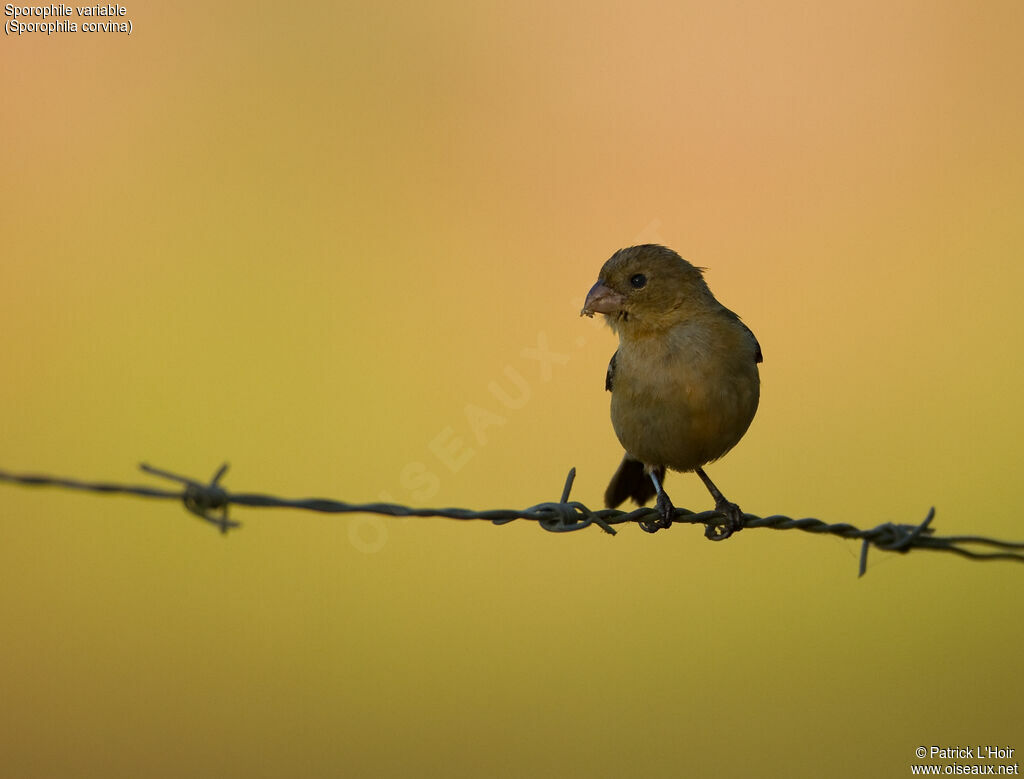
{"x":210,"y":502}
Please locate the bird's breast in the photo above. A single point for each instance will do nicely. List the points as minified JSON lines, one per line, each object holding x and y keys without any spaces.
{"x":685,"y":400}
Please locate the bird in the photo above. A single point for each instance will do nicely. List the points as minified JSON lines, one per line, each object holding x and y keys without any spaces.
{"x":684,"y":380}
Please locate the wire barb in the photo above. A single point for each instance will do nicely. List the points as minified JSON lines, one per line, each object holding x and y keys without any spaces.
{"x":202,"y":499}
{"x":211,"y":501}
{"x":564,"y":516}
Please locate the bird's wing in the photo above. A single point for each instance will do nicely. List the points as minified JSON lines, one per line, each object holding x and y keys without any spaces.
{"x":757,"y":346}
{"x":758,"y":357}
{"x":610,"y":376}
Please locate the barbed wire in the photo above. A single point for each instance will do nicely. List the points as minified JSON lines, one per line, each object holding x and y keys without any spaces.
{"x":210,"y":502}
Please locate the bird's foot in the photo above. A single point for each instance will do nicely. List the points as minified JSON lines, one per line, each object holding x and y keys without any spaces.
{"x":734,"y":522}
{"x":665,"y":511}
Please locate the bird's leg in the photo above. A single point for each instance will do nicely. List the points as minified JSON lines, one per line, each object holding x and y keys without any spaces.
{"x":732,"y":513}
{"x":664,"y":507}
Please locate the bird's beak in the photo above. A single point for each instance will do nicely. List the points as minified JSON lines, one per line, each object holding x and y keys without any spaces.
{"x":602,"y":300}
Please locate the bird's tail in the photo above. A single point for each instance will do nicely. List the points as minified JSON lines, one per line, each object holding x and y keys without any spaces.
{"x":630,"y":481}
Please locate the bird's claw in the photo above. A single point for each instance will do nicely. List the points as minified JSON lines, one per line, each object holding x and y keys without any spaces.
{"x":665,"y":511}
{"x":734,"y":522}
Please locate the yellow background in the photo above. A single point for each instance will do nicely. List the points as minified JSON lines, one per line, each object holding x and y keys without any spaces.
{"x":308,"y":240}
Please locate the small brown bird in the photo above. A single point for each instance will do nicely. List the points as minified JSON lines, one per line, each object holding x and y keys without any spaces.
{"x":684,"y":380}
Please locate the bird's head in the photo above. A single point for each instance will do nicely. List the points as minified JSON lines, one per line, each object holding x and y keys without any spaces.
{"x":647,"y":286}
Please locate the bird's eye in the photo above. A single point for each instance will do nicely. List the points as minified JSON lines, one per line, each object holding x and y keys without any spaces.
{"x":638,"y":280}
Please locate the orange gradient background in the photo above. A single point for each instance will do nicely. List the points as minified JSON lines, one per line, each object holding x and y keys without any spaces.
{"x":310,"y":241}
